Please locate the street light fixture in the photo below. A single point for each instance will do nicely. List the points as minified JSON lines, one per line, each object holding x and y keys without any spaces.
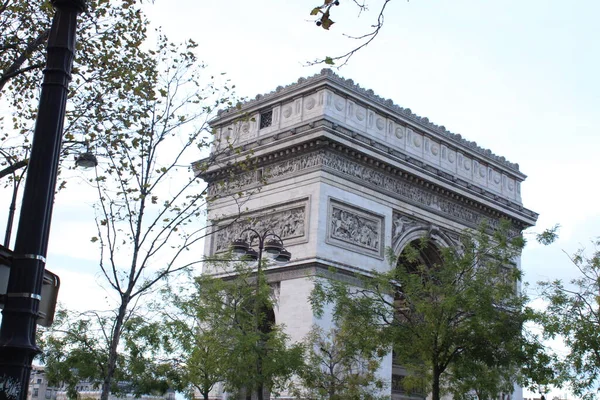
{"x":272,"y":244}
{"x":86,"y":160}
{"x":268,"y":242}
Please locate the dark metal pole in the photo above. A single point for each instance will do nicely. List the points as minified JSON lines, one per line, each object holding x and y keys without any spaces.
{"x":11,"y":212}
{"x":17,"y":335}
{"x":260,"y":388}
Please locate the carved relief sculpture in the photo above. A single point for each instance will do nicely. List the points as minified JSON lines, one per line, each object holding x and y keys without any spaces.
{"x":288,"y":224}
{"x":355,"y":229}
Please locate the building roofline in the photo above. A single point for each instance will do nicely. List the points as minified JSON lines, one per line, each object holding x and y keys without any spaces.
{"x":327,"y":75}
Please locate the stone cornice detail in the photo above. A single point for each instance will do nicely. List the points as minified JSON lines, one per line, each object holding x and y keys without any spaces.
{"x":470,"y":173}
{"x":372,"y":129}
{"x":379,"y":176}
{"x":328,"y":76}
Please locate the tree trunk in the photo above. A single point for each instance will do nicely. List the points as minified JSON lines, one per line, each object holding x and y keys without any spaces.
{"x":435,"y":384}
{"x":260,"y":392}
{"x":114,"y":343}
{"x":331,"y":383}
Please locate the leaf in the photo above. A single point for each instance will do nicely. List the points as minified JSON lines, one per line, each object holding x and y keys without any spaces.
{"x":326,"y":22}
{"x":329,"y":61}
{"x":315,"y":11}
{"x":94,"y":239}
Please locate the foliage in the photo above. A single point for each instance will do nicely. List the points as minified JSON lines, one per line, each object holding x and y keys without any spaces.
{"x":150,"y":204}
{"x":339,"y":366}
{"x":323,"y":12}
{"x":77,"y":347}
{"x":109,"y":67}
{"x":458,"y":309}
{"x":224,"y":333}
{"x":573,"y":315}
{"x":548,"y":236}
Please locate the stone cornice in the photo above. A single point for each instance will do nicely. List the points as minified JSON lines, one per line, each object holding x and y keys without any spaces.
{"x":328,"y":77}
{"x":279,"y":164}
{"x":281,"y":147}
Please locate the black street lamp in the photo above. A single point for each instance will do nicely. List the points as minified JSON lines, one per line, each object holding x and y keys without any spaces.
{"x":272,"y":244}
{"x":17,"y":334}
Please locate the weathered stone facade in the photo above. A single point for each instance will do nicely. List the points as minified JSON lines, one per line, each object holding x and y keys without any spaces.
{"x":341,"y":174}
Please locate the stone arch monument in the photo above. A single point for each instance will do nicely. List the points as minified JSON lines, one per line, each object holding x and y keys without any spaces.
{"x":341,"y":174}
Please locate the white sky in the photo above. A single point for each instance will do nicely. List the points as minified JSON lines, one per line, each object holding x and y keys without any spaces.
{"x":518,"y":77}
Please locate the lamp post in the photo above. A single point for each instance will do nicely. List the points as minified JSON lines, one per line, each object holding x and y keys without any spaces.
{"x":272,"y":244}
{"x":17,"y":334}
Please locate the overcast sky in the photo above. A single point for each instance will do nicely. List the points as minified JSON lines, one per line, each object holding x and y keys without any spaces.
{"x":518,"y":77}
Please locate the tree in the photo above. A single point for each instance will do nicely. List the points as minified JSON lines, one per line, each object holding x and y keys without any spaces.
{"x":573,"y":315}
{"x":76,"y":349}
{"x":339,"y":366}
{"x":219,"y":337}
{"x":446,"y":312}
{"x":110,"y":66}
{"x":149,"y":208}
{"x":322,"y":13}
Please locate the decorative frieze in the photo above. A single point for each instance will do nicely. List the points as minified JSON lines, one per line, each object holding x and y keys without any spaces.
{"x":233,"y":184}
{"x":391,"y":126}
{"x":355,"y":229}
{"x":366,"y":175}
{"x":293,"y":165}
{"x":288,"y":221}
{"x":407,"y":190}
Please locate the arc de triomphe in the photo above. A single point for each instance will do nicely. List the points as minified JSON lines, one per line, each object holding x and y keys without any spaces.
{"x":341,"y":174}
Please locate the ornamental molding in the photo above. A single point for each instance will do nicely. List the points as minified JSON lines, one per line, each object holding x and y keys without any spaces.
{"x":289,"y":221}
{"x":402,"y":224}
{"x":374,"y":130}
{"x":406,"y":228}
{"x":378,"y":177}
{"x":327,"y":76}
{"x":355,"y":229}
{"x":407,"y":190}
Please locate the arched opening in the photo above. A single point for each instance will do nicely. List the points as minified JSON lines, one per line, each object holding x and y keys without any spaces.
{"x":418,"y":254}
{"x":420,"y":257}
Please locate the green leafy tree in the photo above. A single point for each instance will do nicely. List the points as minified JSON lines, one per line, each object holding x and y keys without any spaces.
{"x":446,"y":313}
{"x":77,"y":348}
{"x":339,"y":365}
{"x":109,"y":67}
{"x":150,"y":204}
{"x":573,"y":315}
{"x":224,"y":332}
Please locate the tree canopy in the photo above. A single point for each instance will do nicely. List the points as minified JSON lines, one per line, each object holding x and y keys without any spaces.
{"x":110,"y":66}
{"x":451,"y":315}
{"x":573,"y":315}
{"x":224,"y":332}
{"x":149,"y":202}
